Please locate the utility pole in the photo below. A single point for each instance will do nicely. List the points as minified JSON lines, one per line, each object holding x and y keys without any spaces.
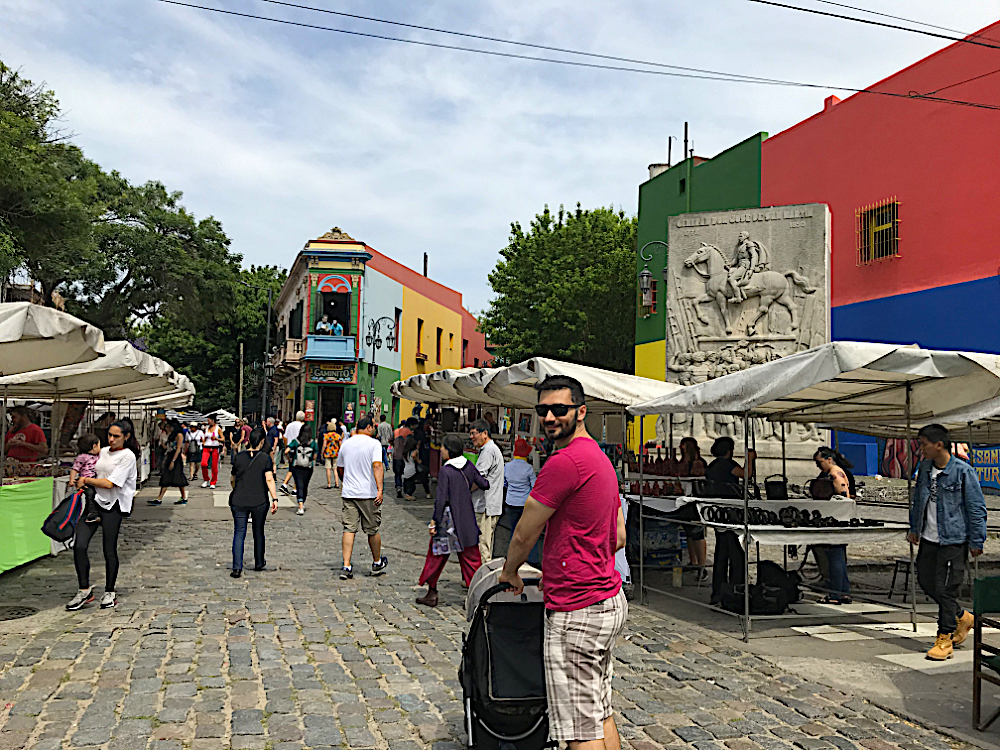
{"x":239,"y":406}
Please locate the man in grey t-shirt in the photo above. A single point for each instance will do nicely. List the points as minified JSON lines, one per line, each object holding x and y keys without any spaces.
{"x":488,"y":504}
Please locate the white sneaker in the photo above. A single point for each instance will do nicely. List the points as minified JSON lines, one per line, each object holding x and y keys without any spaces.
{"x":204,"y":484}
{"x":300,"y":512}
{"x":211,"y":486}
{"x":83,"y":597}
{"x":108,"y":600}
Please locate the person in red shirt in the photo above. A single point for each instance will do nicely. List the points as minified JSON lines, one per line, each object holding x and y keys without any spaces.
{"x":576,"y":500}
{"x":25,"y":441}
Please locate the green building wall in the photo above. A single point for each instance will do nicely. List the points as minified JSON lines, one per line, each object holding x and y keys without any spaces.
{"x":729,"y":180}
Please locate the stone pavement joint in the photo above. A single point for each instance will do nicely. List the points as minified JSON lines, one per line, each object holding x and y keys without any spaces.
{"x":293,"y":658}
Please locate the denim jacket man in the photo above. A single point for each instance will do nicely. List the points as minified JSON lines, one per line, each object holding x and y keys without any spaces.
{"x":961,"y":507}
{"x":948,"y":521}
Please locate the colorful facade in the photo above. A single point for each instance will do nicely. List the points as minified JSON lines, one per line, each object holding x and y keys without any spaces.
{"x":912,"y":186}
{"x":395,"y":322}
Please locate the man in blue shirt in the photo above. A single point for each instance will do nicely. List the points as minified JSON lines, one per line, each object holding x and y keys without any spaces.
{"x":518,"y":480}
{"x":338,"y":330}
{"x":271,"y":437}
{"x":948,"y":521}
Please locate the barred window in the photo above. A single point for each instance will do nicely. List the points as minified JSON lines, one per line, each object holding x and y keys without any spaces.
{"x":877,"y":228}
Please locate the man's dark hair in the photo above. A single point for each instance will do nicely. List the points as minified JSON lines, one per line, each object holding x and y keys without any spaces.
{"x":480,"y":425}
{"x":723,"y":447}
{"x":25,"y":411}
{"x":412,"y":422}
{"x":257,"y":436}
{"x":453,"y":444}
{"x":558,"y":382}
{"x":87,"y":442}
{"x":936,"y":433}
{"x":381,"y":417}
{"x":364,"y":423}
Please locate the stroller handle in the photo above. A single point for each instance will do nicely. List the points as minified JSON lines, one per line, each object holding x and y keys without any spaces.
{"x":501,"y":587}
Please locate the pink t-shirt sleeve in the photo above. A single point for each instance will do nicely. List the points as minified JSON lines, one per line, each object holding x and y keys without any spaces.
{"x":558,"y":480}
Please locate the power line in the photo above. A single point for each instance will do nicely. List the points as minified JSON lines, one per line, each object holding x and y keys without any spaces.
{"x":875,"y":23}
{"x":896,"y":18}
{"x":500,"y":40}
{"x":714,"y":76}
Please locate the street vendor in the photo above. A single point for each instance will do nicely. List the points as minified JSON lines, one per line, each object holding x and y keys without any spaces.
{"x":837,"y":469}
{"x":728,"y":567}
{"x":25,"y":440}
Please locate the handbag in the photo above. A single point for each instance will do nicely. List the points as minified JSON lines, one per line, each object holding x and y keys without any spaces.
{"x":445,"y":539}
{"x":776,"y":487}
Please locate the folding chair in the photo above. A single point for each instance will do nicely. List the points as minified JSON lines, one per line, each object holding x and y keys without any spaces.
{"x":986,"y":600}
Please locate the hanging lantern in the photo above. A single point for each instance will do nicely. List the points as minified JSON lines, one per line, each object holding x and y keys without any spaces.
{"x":646,"y":286}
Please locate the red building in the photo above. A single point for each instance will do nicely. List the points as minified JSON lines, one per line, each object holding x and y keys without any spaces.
{"x":913,"y":185}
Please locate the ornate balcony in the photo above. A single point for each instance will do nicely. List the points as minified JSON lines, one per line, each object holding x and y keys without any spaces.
{"x":321,"y":348}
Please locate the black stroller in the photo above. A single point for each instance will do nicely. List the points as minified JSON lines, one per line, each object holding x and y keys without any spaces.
{"x":502,"y":675}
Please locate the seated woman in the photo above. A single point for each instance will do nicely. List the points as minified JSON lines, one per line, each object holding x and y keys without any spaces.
{"x":836,"y":468}
{"x":453,"y":528}
{"x":728,"y":568}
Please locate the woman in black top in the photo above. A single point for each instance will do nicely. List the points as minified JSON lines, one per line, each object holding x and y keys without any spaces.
{"x":729,"y":566}
{"x":172,"y":473}
{"x":253,"y":482}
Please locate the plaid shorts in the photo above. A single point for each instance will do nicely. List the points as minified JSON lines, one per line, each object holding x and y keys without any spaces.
{"x":578,"y":667}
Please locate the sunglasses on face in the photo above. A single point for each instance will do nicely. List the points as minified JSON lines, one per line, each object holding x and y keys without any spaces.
{"x":558,"y":410}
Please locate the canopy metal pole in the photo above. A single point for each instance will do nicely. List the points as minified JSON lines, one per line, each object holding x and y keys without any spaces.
{"x":975,"y":560}
{"x":909,"y":509}
{"x":784,"y":471}
{"x":642,"y":560}
{"x":670,"y":436}
{"x":746,"y":526}
{"x":3,"y":436}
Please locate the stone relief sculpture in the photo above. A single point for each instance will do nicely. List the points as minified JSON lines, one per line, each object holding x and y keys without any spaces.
{"x":768,"y":298}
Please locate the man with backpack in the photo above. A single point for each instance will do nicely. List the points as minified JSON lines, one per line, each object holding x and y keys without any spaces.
{"x":301,"y":454}
{"x":361,"y":471}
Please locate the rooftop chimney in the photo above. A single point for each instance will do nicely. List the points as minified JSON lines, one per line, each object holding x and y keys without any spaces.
{"x":657,"y":169}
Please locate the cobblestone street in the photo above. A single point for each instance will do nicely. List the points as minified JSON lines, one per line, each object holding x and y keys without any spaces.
{"x":293,"y":657}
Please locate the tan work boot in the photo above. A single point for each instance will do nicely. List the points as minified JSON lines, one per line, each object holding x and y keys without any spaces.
{"x":962,"y":628}
{"x":942,"y":648}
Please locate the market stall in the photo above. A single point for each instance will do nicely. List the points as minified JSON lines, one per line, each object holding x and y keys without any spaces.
{"x":123,"y":376}
{"x":840,"y":384}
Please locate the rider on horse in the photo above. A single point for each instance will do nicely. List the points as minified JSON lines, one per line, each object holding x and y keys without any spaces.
{"x":751,"y":257}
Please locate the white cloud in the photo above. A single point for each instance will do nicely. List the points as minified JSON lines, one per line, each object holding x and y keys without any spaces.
{"x":284,"y":132}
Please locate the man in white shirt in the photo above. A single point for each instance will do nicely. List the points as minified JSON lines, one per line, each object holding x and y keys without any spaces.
{"x":488,"y":504}
{"x":361,"y":471}
{"x":291,"y":433}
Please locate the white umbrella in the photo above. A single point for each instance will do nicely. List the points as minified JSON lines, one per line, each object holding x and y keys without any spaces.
{"x":445,"y":383}
{"x":33,"y":337}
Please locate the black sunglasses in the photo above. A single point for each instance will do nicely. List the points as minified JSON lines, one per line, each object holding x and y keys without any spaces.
{"x":558,"y":410}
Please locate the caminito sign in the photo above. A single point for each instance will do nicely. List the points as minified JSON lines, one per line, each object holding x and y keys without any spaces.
{"x":334,"y":373}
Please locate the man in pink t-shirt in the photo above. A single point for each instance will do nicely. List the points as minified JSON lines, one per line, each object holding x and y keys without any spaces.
{"x":575,"y":499}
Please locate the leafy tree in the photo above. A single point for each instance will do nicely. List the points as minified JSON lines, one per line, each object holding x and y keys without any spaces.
{"x":564,"y":289}
{"x":207,"y":349}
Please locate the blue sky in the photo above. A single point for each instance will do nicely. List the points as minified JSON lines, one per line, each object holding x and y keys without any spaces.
{"x":283,"y":133}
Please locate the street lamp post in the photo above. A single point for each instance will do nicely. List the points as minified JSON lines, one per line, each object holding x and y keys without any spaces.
{"x":646,"y":276}
{"x":374,"y":340}
{"x":268,"y":367}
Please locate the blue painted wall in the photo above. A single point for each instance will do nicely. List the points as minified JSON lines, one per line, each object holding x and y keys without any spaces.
{"x":962,"y":316}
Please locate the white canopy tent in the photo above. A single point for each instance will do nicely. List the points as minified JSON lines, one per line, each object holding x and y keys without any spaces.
{"x":223,"y":417}
{"x":606,"y":391}
{"x":978,"y":423}
{"x":843,"y":383}
{"x":33,"y":337}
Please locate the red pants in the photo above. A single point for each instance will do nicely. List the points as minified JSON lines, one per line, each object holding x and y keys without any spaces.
{"x":468,"y":558}
{"x":210,"y":456}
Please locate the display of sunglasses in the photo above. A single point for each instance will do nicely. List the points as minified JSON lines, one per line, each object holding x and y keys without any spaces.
{"x":558,"y":410}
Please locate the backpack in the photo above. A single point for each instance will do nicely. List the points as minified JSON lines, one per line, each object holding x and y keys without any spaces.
{"x":764,"y":600}
{"x":304,"y":456}
{"x":61,"y":523}
{"x":772,"y":575}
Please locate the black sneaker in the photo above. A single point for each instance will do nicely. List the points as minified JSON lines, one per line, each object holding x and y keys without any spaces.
{"x":148,"y":502}
{"x":235,"y":573}
{"x":378,"y":568}
{"x":346,"y":572}
{"x":285,"y":489}
{"x":182,"y":501}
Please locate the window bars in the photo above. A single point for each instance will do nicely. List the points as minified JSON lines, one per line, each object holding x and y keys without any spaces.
{"x":877,"y":229}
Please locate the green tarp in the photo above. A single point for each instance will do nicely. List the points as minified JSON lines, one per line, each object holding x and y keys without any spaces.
{"x":23,"y":509}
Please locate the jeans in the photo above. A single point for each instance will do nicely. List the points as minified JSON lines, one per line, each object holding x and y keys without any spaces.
{"x":729,"y":566}
{"x":840,"y":585}
{"x":513,"y":514}
{"x":398,"y":465}
{"x":940,"y":571}
{"x":302,"y":475}
{"x":111,"y":523}
{"x":240,"y":516}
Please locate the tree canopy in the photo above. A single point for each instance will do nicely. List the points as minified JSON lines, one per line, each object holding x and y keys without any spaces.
{"x":128,"y":258}
{"x":565,"y":289}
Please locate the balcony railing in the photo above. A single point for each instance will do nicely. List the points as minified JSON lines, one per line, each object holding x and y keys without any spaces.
{"x":331,"y":348}
{"x":289,"y":353}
